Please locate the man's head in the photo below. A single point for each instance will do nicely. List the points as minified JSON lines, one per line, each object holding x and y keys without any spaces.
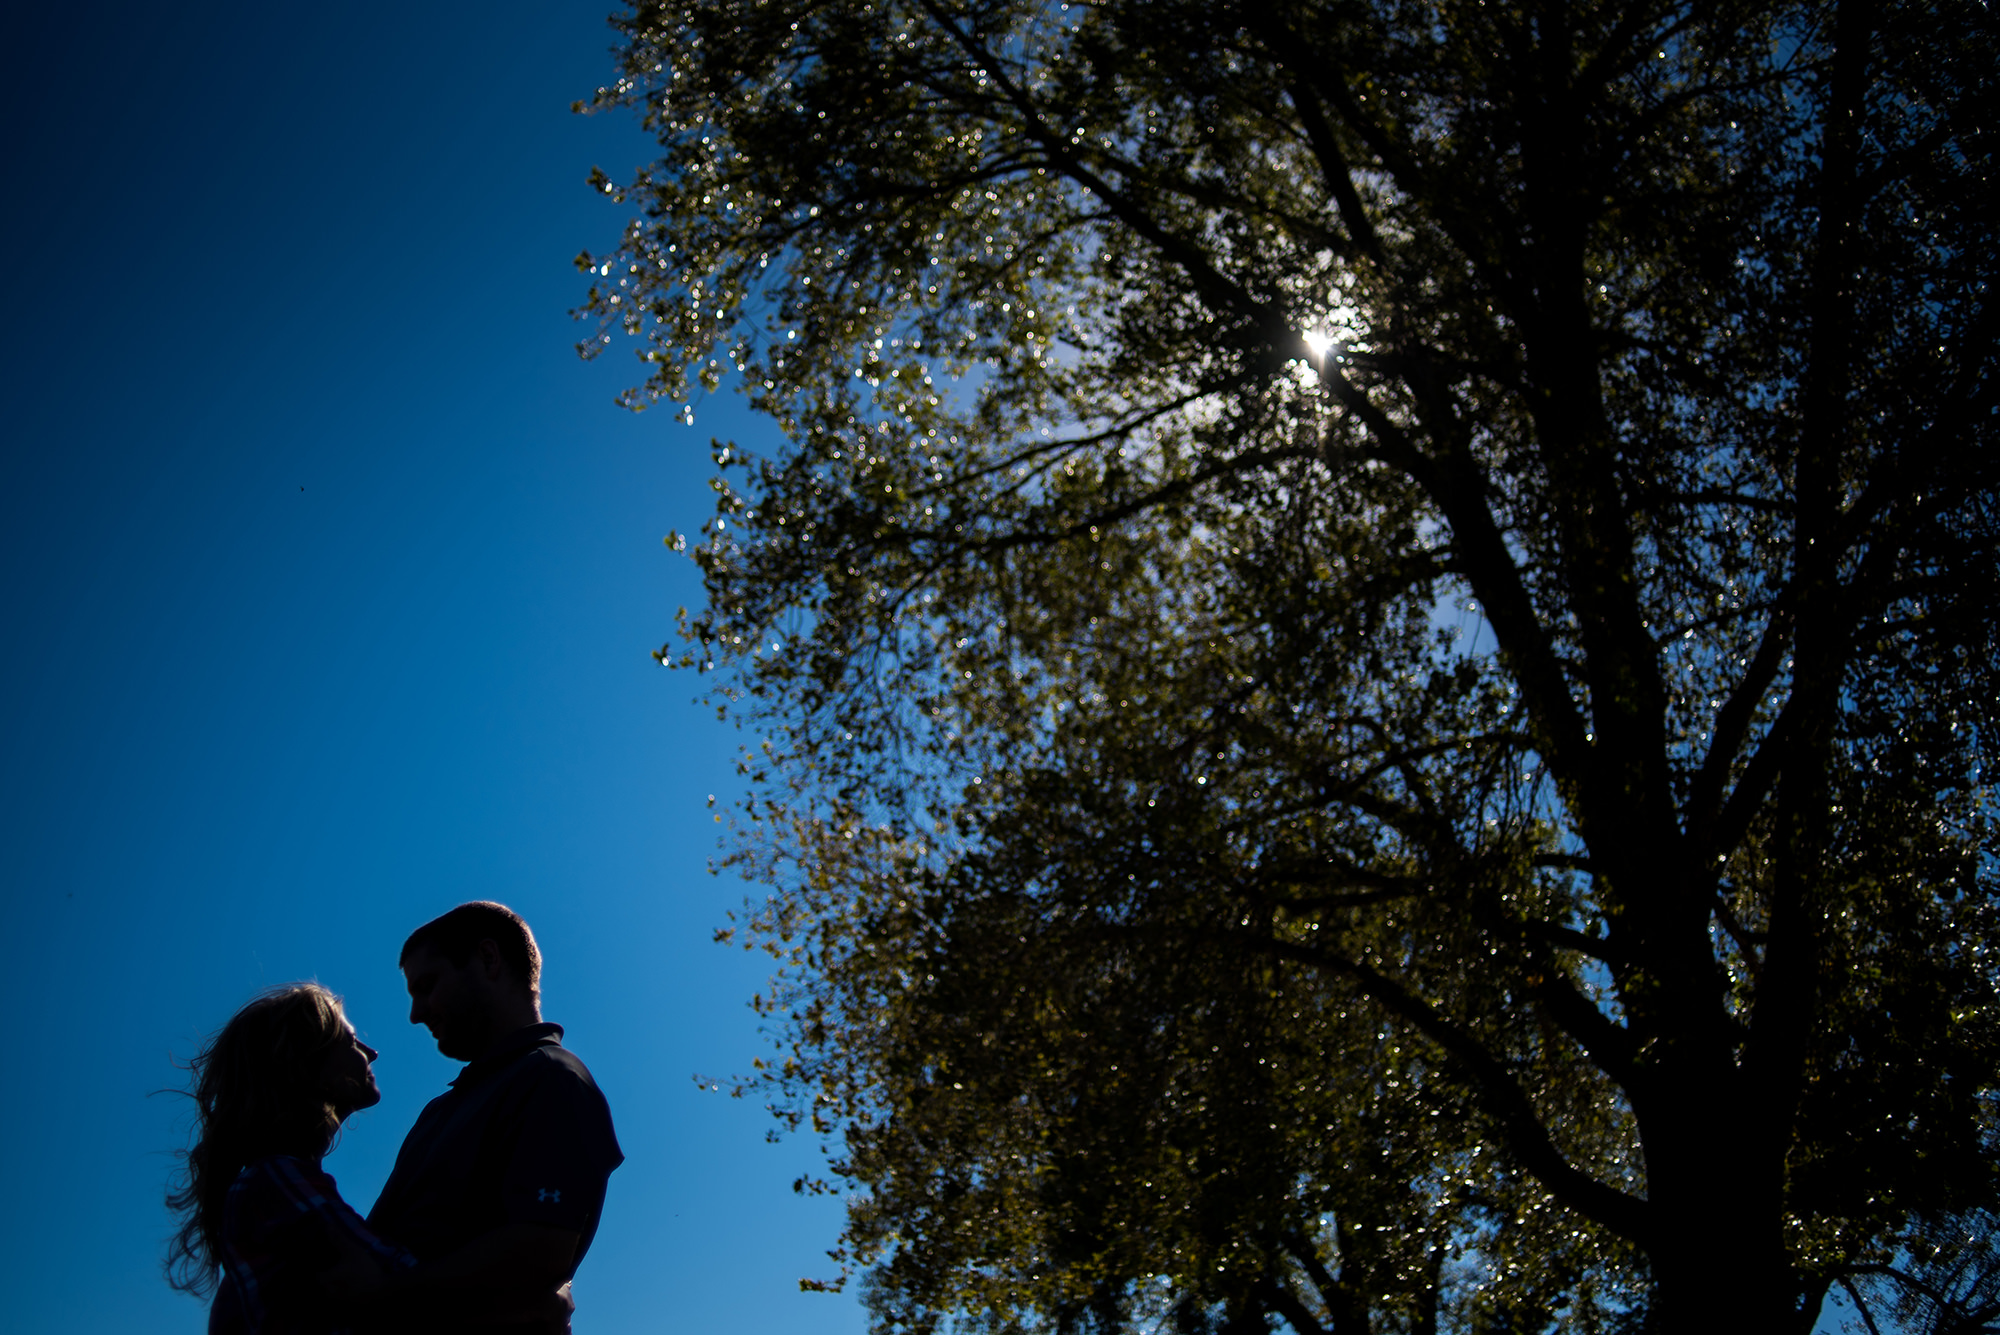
{"x":474,"y":976}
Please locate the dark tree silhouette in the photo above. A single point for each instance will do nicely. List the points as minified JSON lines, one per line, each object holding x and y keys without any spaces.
{"x":1371,"y":647}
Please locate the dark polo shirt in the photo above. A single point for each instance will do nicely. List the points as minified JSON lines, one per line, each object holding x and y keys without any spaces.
{"x":522,"y":1137}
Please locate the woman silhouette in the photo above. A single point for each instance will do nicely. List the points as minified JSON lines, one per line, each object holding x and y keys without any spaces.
{"x":261,"y":1223}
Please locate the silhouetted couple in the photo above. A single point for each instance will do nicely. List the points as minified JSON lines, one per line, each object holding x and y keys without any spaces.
{"x":495,"y":1195}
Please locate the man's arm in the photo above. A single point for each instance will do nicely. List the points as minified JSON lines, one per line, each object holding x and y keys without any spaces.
{"x":531,"y":1257}
{"x":509,"y":1274}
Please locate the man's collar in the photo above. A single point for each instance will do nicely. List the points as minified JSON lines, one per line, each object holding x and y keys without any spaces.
{"x":505,"y":1050}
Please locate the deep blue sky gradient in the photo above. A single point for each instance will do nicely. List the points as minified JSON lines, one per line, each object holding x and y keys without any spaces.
{"x":330,"y":580}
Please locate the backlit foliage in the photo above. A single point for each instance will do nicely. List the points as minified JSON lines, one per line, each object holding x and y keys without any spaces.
{"x":1370,"y":644}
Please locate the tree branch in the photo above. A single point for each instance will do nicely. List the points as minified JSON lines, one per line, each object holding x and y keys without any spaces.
{"x":1514,"y":1116}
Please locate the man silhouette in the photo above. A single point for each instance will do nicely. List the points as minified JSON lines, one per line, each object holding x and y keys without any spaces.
{"x":498,"y":1187}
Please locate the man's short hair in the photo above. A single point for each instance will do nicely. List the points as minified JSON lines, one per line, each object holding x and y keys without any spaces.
{"x":456,"y":936}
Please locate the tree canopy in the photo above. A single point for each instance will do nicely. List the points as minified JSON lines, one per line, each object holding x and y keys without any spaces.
{"x":1370,"y":648}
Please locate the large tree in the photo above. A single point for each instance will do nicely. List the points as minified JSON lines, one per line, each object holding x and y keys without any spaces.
{"x":1370,"y":645}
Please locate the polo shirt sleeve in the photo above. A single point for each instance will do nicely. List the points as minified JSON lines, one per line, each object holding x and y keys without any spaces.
{"x":564,"y":1154}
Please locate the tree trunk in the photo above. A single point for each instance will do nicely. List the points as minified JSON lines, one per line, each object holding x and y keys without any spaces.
{"x":1718,"y":1254}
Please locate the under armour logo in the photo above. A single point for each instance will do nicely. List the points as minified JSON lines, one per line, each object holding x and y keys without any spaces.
{"x":549,"y":1194}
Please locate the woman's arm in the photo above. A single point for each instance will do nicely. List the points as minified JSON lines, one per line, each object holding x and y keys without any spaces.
{"x":515,"y":1274}
{"x":284,"y":1225}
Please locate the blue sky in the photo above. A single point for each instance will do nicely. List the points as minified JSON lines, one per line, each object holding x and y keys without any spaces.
{"x":331,"y":577}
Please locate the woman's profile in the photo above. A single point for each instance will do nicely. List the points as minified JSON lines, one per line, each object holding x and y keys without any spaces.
{"x":261,"y":1223}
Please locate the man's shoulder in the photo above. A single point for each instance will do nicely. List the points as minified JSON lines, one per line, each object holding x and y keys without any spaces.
{"x":551,"y":1075}
{"x":552,"y":1061}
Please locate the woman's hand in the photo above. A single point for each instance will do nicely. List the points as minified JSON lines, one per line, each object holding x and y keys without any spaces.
{"x":543,"y":1314}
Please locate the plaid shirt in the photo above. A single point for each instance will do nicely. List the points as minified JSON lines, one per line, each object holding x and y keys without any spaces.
{"x":278,"y":1232}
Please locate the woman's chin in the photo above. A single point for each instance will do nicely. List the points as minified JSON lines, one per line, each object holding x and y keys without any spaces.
{"x":362,"y":1098}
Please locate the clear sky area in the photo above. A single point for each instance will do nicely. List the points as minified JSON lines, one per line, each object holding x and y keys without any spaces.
{"x":331,"y":577}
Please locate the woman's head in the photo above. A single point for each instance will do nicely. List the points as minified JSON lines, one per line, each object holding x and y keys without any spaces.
{"x":266,"y":1074}
{"x":278,"y":1078}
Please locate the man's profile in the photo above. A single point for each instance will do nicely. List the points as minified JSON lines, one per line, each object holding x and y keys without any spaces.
{"x":500,"y":1184}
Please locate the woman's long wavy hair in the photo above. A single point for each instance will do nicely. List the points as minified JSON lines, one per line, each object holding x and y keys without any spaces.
{"x":256,"y":1086}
